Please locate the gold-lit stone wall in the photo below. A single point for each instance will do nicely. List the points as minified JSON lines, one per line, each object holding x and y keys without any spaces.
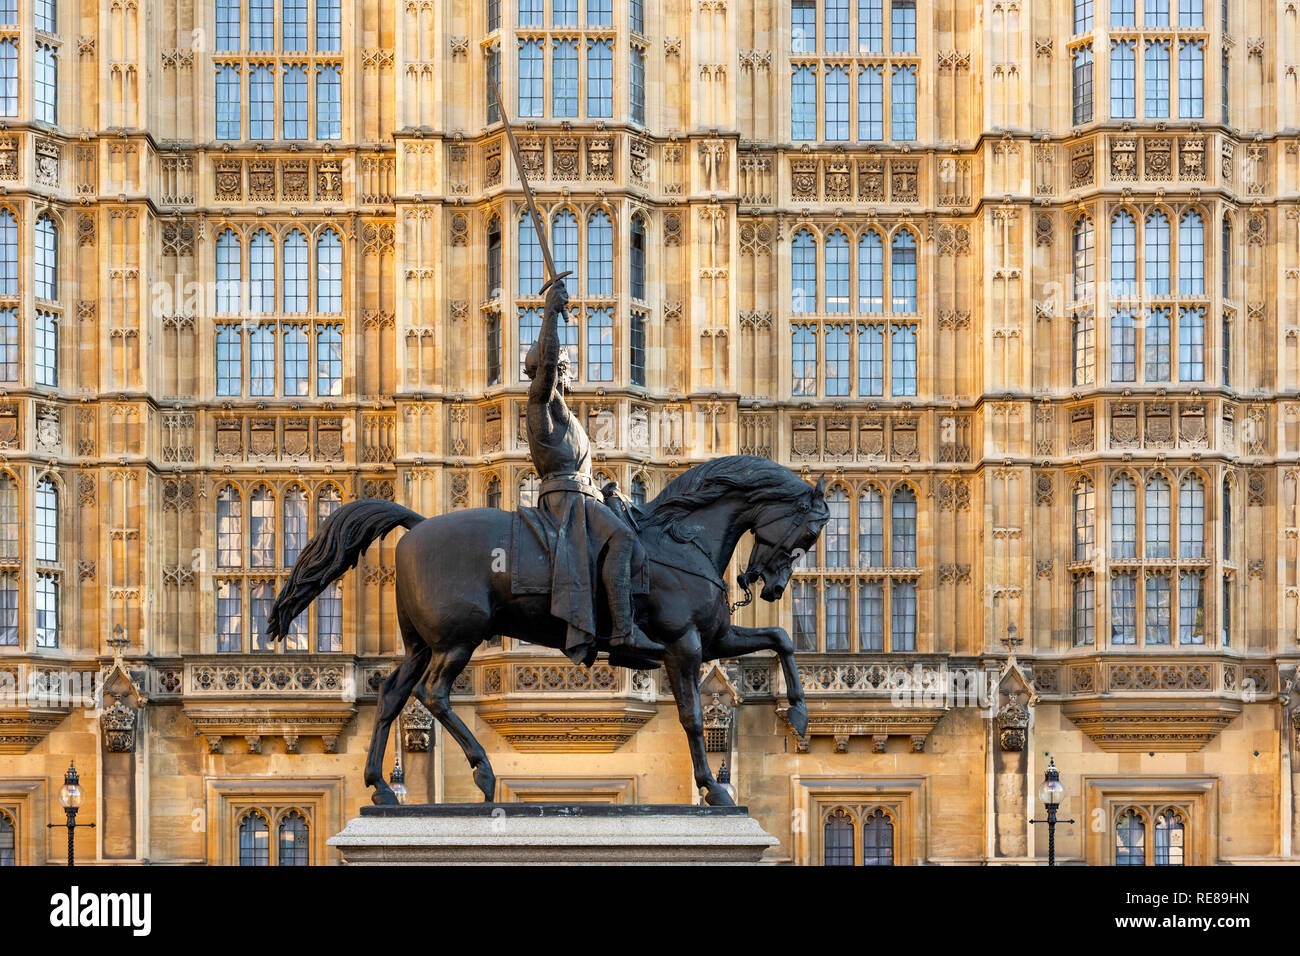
{"x":377,"y":316}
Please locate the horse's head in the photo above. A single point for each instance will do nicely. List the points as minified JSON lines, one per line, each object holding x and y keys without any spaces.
{"x":784,"y":531}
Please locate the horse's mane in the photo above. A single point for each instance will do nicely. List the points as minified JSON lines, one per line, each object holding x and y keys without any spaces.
{"x":760,"y":478}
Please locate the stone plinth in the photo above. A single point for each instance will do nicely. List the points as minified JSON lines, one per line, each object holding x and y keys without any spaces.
{"x":551,"y":833}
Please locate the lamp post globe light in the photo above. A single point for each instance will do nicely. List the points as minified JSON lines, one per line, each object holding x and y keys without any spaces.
{"x":1051,"y":792}
{"x":70,"y":800}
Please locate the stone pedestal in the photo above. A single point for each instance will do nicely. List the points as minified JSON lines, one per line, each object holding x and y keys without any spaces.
{"x":551,"y":833}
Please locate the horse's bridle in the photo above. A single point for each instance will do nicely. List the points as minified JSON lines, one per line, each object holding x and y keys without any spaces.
{"x":786,"y":544}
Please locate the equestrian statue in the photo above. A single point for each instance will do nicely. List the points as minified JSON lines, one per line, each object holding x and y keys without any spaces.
{"x":586,"y":571}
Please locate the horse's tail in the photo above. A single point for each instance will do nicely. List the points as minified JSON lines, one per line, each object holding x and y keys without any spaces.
{"x":337,"y":547}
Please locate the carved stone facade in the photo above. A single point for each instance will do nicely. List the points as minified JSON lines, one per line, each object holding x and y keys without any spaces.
{"x":953,"y":409}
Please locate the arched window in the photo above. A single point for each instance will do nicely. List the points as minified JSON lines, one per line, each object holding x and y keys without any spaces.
{"x":878,"y":839}
{"x":229,"y":272}
{"x":837,"y":838}
{"x":46,"y":259}
{"x":902,"y":526}
{"x":836,"y":533}
{"x":261,"y":272}
{"x":1191,"y":254}
{"x":600,"y":345}
{"x":294,"y":848}
{"x":1123,"y":79}
{"x":564,"y":244}
{"x":1191,"y":517}
{"x":9,"y":350}
{"x":261,"y":103}
{"x":1226,"y":242}
{"x":8,"y":840}
{"x":1085,"y":518}
{"x":1084,"y":250}
{"x":530,"y":258}
{"x":1123,"y":254}
{"x":329,"y":620}
{"x":8,"y":254}
{"x":492,"y":492}
{"x":296,"y":287}
{"x":902,"y":272}
{"x":494,"y":258}
{"x":1156,"y":55}
{"x":1169,"y":834}
{"x":9,"y":72}
{"x":803,"y":104}
{"x":295,"y":524}
{"x":261,"y":360}
{"x":1157,"y":340}
{"x":638,"y":258}
{"x":837,"y":272}
{"x":329,"y":272}
{"x":293,"y":85}
{"x":532,"y":94}
{"x":254,"y":841}
{"x":328,"y":501}
{"x":600,"y":253}
{"x":8,"y":517}
{"x":1226,"y":510}
{"x":1156,"y":263}
{"x":871,"y":273}
{"x":803,"y":266}
{"x":261,"y":529}
{"x":230,"y":521}
{"x":1130,"y":839}
{"x":1123,"y":518}
{"x":638,"y":494}
{"x":837,"y":103}
{"x":600,"y":78}
{"x":47,"y":521}
{"x":902,"y":359}
{"x":871,"y":529}
{"x":528,"y":485}
{"x":1191,"y":79}
{"x":1156,"y":517}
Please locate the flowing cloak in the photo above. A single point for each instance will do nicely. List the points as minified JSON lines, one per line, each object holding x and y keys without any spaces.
{"x":564,"y":525}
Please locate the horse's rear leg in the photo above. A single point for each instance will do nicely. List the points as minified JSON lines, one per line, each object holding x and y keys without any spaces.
{"x":392,"y":698}
{"x":682,"y":661}
{"x":445,"y":667}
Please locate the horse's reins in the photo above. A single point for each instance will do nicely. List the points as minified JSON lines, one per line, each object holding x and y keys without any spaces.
{"x":750,"y":573}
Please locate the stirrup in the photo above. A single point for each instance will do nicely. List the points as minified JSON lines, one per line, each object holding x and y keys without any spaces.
{"x":635,"y":640}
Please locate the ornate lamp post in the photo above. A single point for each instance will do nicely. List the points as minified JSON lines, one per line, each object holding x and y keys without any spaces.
{"x":70,"y":798}
{"x":399,"y":774}
{"x":1051,"y":793}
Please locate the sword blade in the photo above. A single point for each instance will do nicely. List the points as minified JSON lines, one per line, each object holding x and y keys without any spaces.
{"x":542,"y":239}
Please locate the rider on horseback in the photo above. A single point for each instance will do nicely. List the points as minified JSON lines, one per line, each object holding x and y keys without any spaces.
{"x":582,"y":524}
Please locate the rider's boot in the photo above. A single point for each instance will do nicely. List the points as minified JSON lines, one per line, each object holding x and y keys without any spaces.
{"x":625,"y":635}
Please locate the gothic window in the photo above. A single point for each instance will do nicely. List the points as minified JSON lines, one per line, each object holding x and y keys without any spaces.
{"x":1081,"y":84}
{"x":1084,"y":273}
{"x":294,"y":846}
{"x":229,"y":272}
{"x":329,"y":360}
{"x":261,"y":360}
{"x":878,"y":839}
{"x":47,"y":610}
{"x":9,"y":511}
{"x":492,"y":334}
{"x":254,"y":840}
{"x":804,"y":360}
{"x":1226,"y":261}
{"x":637,"y":86}
{"x":1084,"y":605}
{"x":903,"y":526}
{"x":261,"y":272}
{"x":47,"y":348}
{"x":494,"y":14}
{"x":329,"y":272}
{"x":837,"y":26}
{"x":294,"y":26}
{"x":902,"y":271}
{"x":1191,"y":79}
{"x":1225,"y":612}
{"x":902,"y":373}
{"x":1085,"y":518}
{"x":1156,"y":54}
{"x":1191,"y":607}
{"x":1123,"y":346}
{"x":530,"y":258}
{"x":636,"y":15}
{"x":837,"y":360}
{"x":837,"y":103}
{"x":804,"y":272}
{"x":8,"y":77}
{"x":295,"y":524}
{"x":1123,"y":518}
{"x":902,"y":26}
{"x":564,"y":84}
{"x":1123,"y":608}
{"x":531,"y":81}
{"x":1156,"y":262}
{"x":47,"y":84}
{"x":1130,"y":838}
{"x":1156,"y":517}
{"x":1123,"y":79}
{"x":837,"y":839}
{"x":1191,"y":254}
{"x":836,"y":533}
{"x":871,"y":529}
{"x":1083,"y":10}
{"x":803,"y":104}
{"x":493,"y":80}
{"x":494,"y":259}
{"x":329,"y":620}
{"x":228,"y":106}
{"x":46,"y":261}
{"x":803,"y":599}
{"x":295,"y":285}
{"x":1156,"y":338}
{"x":227,"y":25}
{"x":837,"y":272}
{"x":871,"y":359}
{"x":871,"y":26}
{"x":638,"y":258}
{"x":261,"y":103}
{"x":1084,"y":341}
{"x":1123,"y":254}
{"x":803,"y":26}
{"x":600,"y":345}
{"x":845,"y":828}
{"x":47,"y":521}
{"x":1158,"y":614}
{"x":9,"y":354}
{"x":230,"y":524}
{"x":1151,"y":835}
{"x":902,"y":108}
{"x":1191,"y":517}
{"x":329,"y":26}
{"x":1226,"y":520}
{"x":638,"y":494}
{"x":230,"y":375}
{"x":600,"y":13}
{"x":1191,"y":344}
{"x":600,"y":253}
{"x":8,"y":839}
{"x":871,"y":103}
{"x":261,"y":595}
{"x":600,"y":77}
{"x":527,"y":490}
{"x":329,"y":102}
{"x":261,"y":528}
{"x":230,"y":616}
{"x":530,"y":326}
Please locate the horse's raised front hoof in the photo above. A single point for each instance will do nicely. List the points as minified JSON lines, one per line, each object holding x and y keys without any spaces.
{"x":716,"y":796}
{"x":798,"y":717}
{"x":384,"y":796}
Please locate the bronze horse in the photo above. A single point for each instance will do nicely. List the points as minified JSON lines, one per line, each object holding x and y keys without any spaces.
{"x":449,"y":600}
